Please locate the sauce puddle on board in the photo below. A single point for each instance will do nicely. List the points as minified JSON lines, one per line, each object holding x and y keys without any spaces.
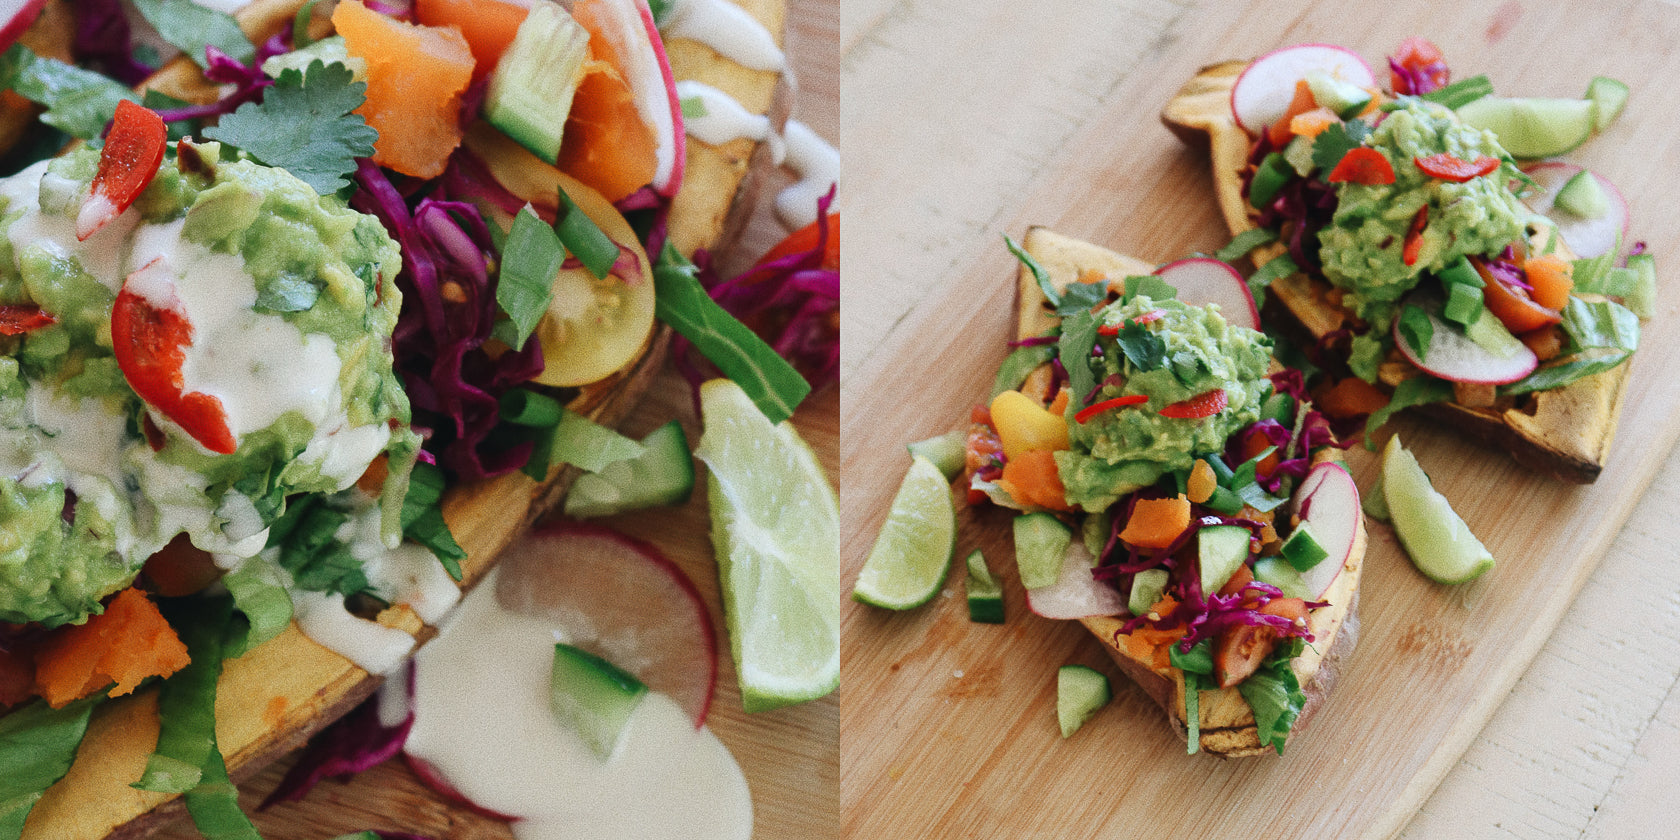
{"x":482,"y":720}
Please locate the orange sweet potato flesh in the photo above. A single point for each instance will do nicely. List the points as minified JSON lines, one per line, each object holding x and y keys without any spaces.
{"x":487,"y":25}
{"x":1031,"y":477}
{"x":1155,"y":523}
{"x":415,"y":78}
{"x":126,"y":644}
{"x":606,"y":145}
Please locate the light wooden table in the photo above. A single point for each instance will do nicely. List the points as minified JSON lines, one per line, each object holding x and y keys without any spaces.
{"x":958,"y":116}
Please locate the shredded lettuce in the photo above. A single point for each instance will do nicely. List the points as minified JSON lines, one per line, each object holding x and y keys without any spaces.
{"x":1197,"y":665}
{"x":1598,"y":336}
{"x":191,"y":28}
{"x":79,"y":102}
{"x":422,"y":518}
{"x":1245,"y":242}
{"x":1274,"y":695}
{"x":37,"y":745}
{"x":1418,"y":390}
{"x":1079,"y":335}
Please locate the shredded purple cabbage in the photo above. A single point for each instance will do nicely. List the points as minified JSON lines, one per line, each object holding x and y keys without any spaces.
{"x":1420,"y":80}
{"x":1035,"y":341}
{"x":101,"y":42}
{"x":356,"y":742}
{"x":1505,"y":269}
{"x":449,"y":307}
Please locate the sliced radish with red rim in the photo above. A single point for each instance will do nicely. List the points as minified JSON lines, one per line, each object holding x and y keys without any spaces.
{"x":1328,"y":503}
{"x":16,"y":17}
{"x":1452,"y":354}
{"x":1201,"y":281}
{"x":1587,"y":237}
{"x":1262,"y":94}
{"x":620,"y":598}
{"x":1075,"y":594}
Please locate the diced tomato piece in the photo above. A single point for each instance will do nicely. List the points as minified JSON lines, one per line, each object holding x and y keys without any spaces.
{"x":1457,"y":170}
{"x":129,"y":160}
{"x":1413,"y":247}
{"x":1363,"y":165}
{"x":1425,"y":69}
{"x":1511,"y":305}
{"x":806,"y":238}
{"x":19,"y":318}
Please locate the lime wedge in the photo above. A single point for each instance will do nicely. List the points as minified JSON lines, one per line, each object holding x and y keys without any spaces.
{"x":776,"y":533}
{"x":1433,"y":534}
{"x":913,"y":552}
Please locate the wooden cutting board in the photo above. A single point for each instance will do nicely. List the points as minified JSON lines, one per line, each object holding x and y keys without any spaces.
{"x":950,"y":727}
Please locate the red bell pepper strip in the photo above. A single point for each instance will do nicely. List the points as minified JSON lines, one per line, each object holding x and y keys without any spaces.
{"x":1199,"y":406}
{"x":1094,"y":409}
{"x":128,"y":162}
{"x":1457,"y":170}
{"x":1151,"y":315}
{"x":19,"y":318}
{"x":150,"y":344}
{"x":1363,"y":165}
{"x":1414,"y":237}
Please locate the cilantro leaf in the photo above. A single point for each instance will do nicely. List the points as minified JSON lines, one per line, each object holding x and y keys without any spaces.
{"x":192,"y":27}
{"x":303,"y":124}
{"x":78,"y":102}
{"x":1079,"y":335}
{"x":1078,"y":296}
{"x":1335,"y":142}
{"x":1143,"y":348}
{"x":1277,"y":267}
{"x":1038,"y":272}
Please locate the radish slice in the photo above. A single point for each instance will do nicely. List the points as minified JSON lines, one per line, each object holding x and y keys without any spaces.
{"x":631,"y":33}
{"x":1453,"y":356}
{"x":1328,"y":502}
{"x":1075,"y":594}
{"x":620,"y":598}
{"x":17,"y":16}
{"x":1201,"y":281}
{"x":1263,"y":92}
{"x":1586,"y":237}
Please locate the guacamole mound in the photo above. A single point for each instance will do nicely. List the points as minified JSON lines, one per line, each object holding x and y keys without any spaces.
{"x":291,"y":301}
{"x":1119,"y":451}
{"x":1361,"y":247}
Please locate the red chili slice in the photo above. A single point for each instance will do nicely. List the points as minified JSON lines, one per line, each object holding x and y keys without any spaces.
{"x":1094,"y":409}
{"x":1151,"y":315}
{"x":1201,"y":405}
{"x":128,"y":162}
{"x":19,"y":318}
{"x":1457,"y":170}
{"x":150,"y":344}
{"x":1414,"y":237}
{"x":1363,"y":165}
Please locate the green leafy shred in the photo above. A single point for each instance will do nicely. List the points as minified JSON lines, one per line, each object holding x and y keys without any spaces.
{"x":1197,"y":666}
{"x":531,"y":258}
{"x":1038,"y":272}
{"x":191,"y":27}
{"x":1335,"y":142}
{"x":1461,"y":93}
{"x":304,"y":125}
{"x":37,"y":745}
{"x":1245,"y":242}
{"x":1274,"y":695}
{"x":422,"y":518}
{"x":1598,"y":336}
{"x":79,"y":102}
{"x":1275,"y":268}
{"x":1079,"y":335}
{"x":1418,"y":390}
{"x":1142,"y":347}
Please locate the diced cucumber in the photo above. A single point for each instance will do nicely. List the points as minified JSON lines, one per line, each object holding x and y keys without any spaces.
{"x":947,"y":452}
{"x":1464,"y":304}
{"x":1277,"y":572}
{"x":1080,"y":691}
{"x":1346,"y":99}
{"x":1582,"y":196}
{"x":1460,"y":272}
{"x":1095,"y":530}
{"x":1041,"y":542}
{"x":1533,"y":128}
{"x":1608,"y":96}
{"x":1302,"y":549}
{"x":662,"y":475}
{"x":593,"y":696}
{"x":1224,"y":500}
{"x":1147,"y":588}
{"x":531,"y":90}
{"x":1491,"y":335}
{"x":1220,"y":550}
{"x":985,"y":594}
{"x":1274,"y":171}
{"x":1278,"y":406}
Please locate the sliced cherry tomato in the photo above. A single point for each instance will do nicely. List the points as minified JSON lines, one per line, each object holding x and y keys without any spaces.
{"x":1457,"y":170}
{"x":150,"y":345}
{"x":1363,"y":165}
{"x":1413,"y":247}
{"x":1199,"y":406}
{"x":1418,"y":67}
{"x":1511,"y":305}
{"x":806,"y":239}
{"x":128,"y":162}
{"x":19,"y":318}
{"x":1239,"y":651}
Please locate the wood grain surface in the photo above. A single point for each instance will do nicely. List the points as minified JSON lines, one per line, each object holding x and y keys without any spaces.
{"x":946,"y":154}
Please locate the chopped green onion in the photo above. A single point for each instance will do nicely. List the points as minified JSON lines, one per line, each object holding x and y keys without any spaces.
{"x":530,"y":262}
{"x":1464,"y":304}
{"x":1461,"y":93}
{"x":1461,"y":272}
{"x":584,"y":239}
{"x":523,"y":407}
{"x":1244,"y":242}
{"x":1269,"y":177}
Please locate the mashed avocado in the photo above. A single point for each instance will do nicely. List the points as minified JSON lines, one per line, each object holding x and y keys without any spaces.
{"x":1185,"y":351}
{"x":291,"y":302}
{"x":1361,"y":248}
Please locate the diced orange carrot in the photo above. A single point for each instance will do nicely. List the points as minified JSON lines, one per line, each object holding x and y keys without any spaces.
{"x":1546,"y":342}
{"x":1302,"y":103}
{"x":1350,"y":397}
{"x":1512,"y":306}
{"x":1242,"y":577}
{"x":1377,"y":100}
{"x":488,"y":25}
{"x":181,"y":568}
{"x":1199,"y":488}
{"x":1254,"y":443}
{"x":1552,"y":278}
{"x":126,"y":644}
{"x":1312,"y":123}
{"x":415,"y":78}
{"x":1058,"y":406}
{"x":1032,"y":479}
{"x":1155,"y":523}
{"x":373,"y":478}
{"x":606,"y":145}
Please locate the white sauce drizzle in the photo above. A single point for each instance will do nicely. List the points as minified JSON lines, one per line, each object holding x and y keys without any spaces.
{"x":818,"y":166}
{"x":374,"y":647}
{"x":729,"y":29}
{"x":484,"y":723}
{"x":725,"y":119}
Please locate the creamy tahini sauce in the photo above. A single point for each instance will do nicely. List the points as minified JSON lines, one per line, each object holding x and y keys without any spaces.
{"x":483,"y":722}
{"x":724,"y":118}
{"x":818,"y":166}
{"x":727,"y":28}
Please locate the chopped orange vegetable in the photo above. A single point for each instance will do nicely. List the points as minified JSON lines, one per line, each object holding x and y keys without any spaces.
{"x":1376,"y":103}
{"x":1546,"y":342}
{"x":1552,"y":278}
{"x":1153,"y":645}
{"x":1037,"y":384}
{"x":1255,"y":443}
{"x":1350,"y":397}
{"x":1155,"y":523}
{"x":1312,"y":123}
{"x":1302,"y":103}
{"x":1031,"y":477}
{"x":606,"y":145}
{"x":1240,"y":578}
{"x":181,"y":568}
{"x":1202,"y":482}
{"x":1058,"y":406}
{"x":126,"y":644}
{"x":415,"y":78}
{"x":1024,"y":424}
{"x":1512,"y":306}
{"x":487,"y":25}
{"x":1239,"y":651}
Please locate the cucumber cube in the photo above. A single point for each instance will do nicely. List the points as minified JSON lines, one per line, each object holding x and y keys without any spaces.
{"x":1080,"y":691}
{"x":1464,"y":305}
{"x":947,"y":452}
{"x":1302,"y":549}
{"x":1608,"y":96}
{"x":1277,"y":572}
{"x":985,"y":594}
{"x":1346,"y":99}
{"x":1147,"y":588}
{"x":593,"y":696}
{"x":1221,"y":550}
{"x":1583,"y":196}
{"x":1460,"y":272}
{"x":1041,"y":540}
